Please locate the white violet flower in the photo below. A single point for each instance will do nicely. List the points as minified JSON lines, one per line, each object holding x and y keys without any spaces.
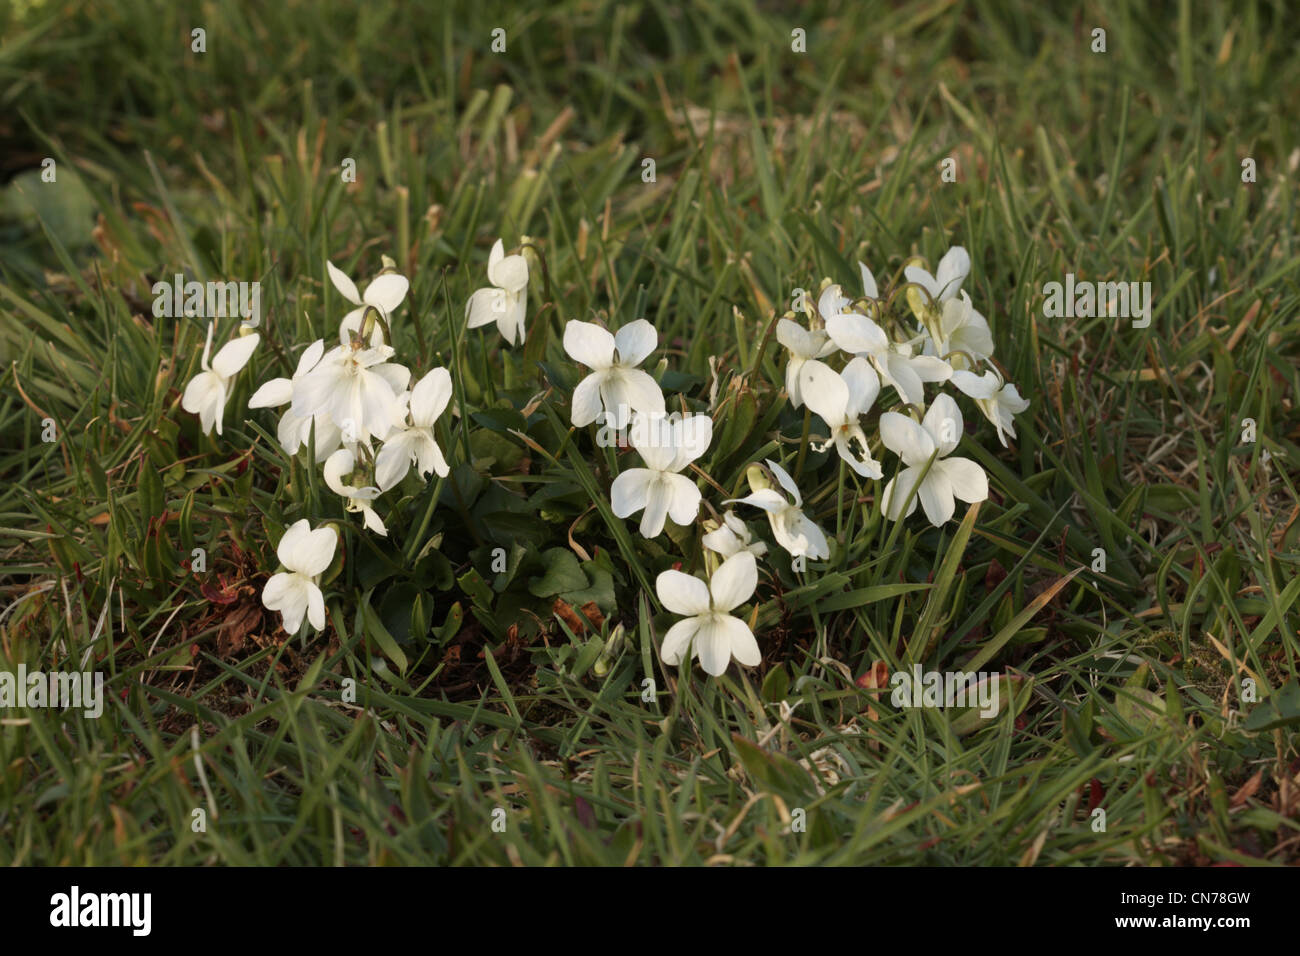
{"x":930,"y":442}
{"x":793,"y":530}
{"x":385,"y":293}
{"x":414,"y":443}
{"x":615,"y":382}
{"x":294,"y":431}
{"x":295,"y":592}
{"x":953,"y":269}
{"x":898,"y":367}
{"x":803,"y":345}
{"x":505,"y":300}
{"x":731,"y":537}
{"x":840,"y":399}
{"x":340,"y":465}
{"x":206,"y":393}
{"x":666,"y":447}
{"x":356,"y":388}
{"x":708,"y":631}
{"x":999,"y":401}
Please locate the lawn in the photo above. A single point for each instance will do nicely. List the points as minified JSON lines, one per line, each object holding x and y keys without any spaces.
{"x":491,"y":679}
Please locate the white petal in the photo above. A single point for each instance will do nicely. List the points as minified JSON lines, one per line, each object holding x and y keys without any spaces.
{"x":929,"y":368}
{"x":973,"y":337}
{"x":678,"y":640}
{"x":589,"y":344}
{"x":712,"y":646}
{"x":864,"y":386}
{"x":655,"y":440}
{"x":952,"y":271}
{"x":586,"y":403}
{"x":315,"y":607}
{"x":740,"y":640}
{"x":429,"y":458}
{"x":352,"y":323}
{"x":508,"y":272}
{"x":511,"y":325}
{"x":319,"y":552}
{"x":281,"y":589}
{"x":386,"y":293}
{"x":921,"y":277}
{"x":234,"y":355}
{"x":375,"y":406}
{"x":792,"y":369}
{"x":214,"y":409}
{"x":347,"y":288}
{"x":397,"y":377}
{"x":373,"y":521}
{"x":787,"y":528}
{"x":392,"y":463}
{"x":682,"y":593}
{"x":898,"y":500}
{"x":328,"y":437}
{"x":336,"y":466}
{"x":659,"y":496}
{"x":480,"y":310}
{"x":295,"y":538}
{"x":310,"y":357}
{"x":851,"y":443}
{"x":966,"y":479}
{"x":783,"y":478}
{"x":905,"y":381}
{"x":817,"y":547}
{"x":207,"y":350}
{"x":825,"y":392}
{"x":976,"y":386}
{"x":943,"y":422}
{"x":430,"y":397}
{"x":629,"y":492}
{"x":936,"y":497}
{"x":906,"y":438}
{"x":201,"y":391}
{"x":292,"y":431}
{"x":857,"y":334}
{"x":794,"y":337}
{"x":691,"y":437}
{"x":635,"y":341}
{"x":684,"y":498}
{"x":868,"y":282}
{"x":316,"y":390}
{"x":832,"y":301}
{"x":272,"y":394}
{"x":734,"y":582}
{"x":626,"y":391}
{"x":305,"y":551}
{"x":769,"y":499}
{"x":722,"y":540}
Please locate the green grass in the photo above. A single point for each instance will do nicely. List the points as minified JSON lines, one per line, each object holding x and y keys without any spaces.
{"x":773,"y":170}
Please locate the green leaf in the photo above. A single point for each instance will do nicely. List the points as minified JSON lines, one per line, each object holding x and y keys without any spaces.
{"x":472,"y":583}
{"x":600,"y":588}
{"x":562,"y":573}
{"x":1279,"y":709}
{"x":374,"y":627}
{"x":776,"y":685}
